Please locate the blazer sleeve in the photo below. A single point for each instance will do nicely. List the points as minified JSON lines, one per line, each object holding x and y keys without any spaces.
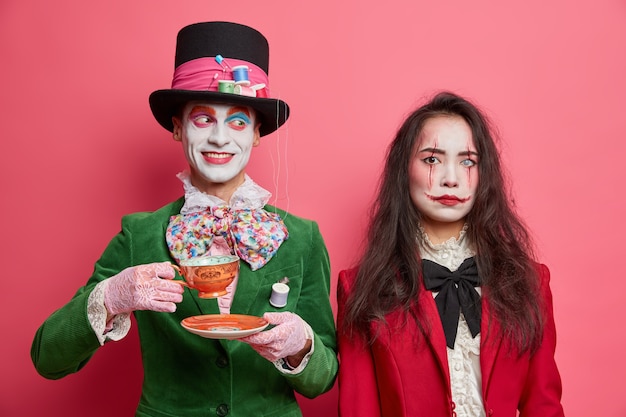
{"x":358,"y":389}
{"x":314,"y":307}
{"x":541,"y":395}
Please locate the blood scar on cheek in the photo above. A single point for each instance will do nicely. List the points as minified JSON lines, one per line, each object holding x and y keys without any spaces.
{"x":468,"y":170}
{"x":431,"y":168}
{"x":430,"y":177}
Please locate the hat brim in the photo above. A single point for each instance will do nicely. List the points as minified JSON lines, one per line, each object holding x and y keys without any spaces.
{"x":271,"y":112}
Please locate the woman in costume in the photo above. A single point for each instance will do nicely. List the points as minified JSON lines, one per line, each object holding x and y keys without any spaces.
{"x":447,"y":312}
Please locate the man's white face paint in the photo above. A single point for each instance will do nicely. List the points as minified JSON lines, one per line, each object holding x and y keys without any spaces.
{"x":217,"y":140}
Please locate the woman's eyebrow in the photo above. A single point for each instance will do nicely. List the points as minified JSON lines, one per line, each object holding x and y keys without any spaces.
{"x":433,"y":150}
{"x":442,"y":152}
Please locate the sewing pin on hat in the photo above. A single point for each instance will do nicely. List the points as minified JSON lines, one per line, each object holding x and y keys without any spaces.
{"x":280,"y":291}
{"x":220,"y":60}
{"x":213,"y":80}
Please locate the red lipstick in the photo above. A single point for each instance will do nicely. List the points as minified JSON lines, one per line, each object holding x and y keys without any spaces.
{"x":217,"y":158}
{"x":448,"y":200}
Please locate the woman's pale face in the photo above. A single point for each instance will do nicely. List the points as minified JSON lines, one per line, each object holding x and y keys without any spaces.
{"x":217,"y":140}
{"x":443,"y":175}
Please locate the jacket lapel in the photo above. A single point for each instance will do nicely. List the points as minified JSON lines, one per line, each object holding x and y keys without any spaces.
{"x":436,"y":339}
{"x":489,"y":344}
{"x":247,"y":291}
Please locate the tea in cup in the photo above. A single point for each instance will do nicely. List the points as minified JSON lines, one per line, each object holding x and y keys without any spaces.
{"x":210,"y":275}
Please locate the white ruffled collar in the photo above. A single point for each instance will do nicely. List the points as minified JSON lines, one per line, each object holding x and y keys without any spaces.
{"x":248,"y":195}
{"x":450,"y":253}
{"x":453,"y":242}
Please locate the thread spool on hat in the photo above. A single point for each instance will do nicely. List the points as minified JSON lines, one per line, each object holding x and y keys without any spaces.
{"x":244,"y":90}
{"x":240,"y":75}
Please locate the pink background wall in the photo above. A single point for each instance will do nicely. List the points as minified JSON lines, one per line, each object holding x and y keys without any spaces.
{"x":80,"y":149}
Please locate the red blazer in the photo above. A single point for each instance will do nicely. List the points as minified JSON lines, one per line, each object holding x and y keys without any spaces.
{"x":405,"y":373}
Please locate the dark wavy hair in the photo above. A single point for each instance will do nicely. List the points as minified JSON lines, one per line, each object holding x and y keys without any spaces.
{"x":389,"y":274}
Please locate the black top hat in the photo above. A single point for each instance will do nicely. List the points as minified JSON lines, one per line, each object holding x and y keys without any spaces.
{"x":220,"y":62}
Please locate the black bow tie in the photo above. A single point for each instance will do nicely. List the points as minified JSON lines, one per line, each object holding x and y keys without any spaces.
{"x":456,"y":294}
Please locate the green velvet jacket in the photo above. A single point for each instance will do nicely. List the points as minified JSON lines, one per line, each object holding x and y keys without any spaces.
{"x":188,"y":375}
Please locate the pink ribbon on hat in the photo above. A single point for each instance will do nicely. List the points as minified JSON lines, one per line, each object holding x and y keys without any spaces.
{"x":203,"y":74}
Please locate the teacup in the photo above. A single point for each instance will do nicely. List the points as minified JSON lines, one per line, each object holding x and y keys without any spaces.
{"x":210,"y":275}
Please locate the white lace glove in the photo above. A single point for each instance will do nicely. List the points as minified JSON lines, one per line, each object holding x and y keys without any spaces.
{"x":288,"y":338}
{"x":142,"y":288}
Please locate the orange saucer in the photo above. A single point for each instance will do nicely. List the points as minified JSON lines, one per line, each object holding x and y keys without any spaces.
{"x":224,"y":326}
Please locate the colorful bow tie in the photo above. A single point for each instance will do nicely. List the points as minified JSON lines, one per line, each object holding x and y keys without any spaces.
{"x":253,"y":234}
{"x":456,"y":294}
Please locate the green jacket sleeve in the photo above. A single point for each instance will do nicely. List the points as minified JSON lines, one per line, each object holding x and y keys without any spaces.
{"x":65,"y":341}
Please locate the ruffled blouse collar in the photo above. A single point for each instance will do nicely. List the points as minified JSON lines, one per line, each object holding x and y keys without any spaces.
{"x":450,"y":253}
{"x":248,"y":195}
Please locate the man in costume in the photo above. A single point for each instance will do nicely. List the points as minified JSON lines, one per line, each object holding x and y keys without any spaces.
{"x":219,"y":107}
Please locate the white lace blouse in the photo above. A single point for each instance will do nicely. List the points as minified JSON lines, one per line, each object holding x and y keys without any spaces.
{"x":464,"y":359}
